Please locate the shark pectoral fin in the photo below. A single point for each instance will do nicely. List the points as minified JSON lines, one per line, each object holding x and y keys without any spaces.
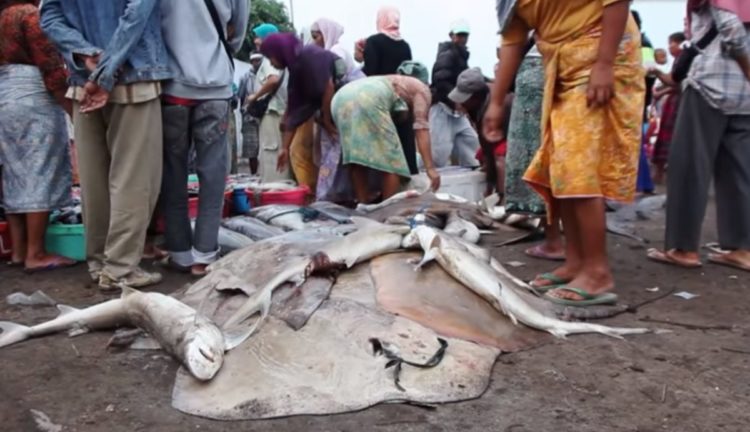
{"x":351,"y":261}
{"x":13,"y":333}
{"x":127,"y":291}
{"x":298,"y":280}
{"x":64,"y":310}
{"x":234,"y":337}
{"x":77,"y":331}
{"x":429,"y":256}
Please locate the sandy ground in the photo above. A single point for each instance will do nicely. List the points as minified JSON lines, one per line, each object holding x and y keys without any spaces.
{"x":691,"y":380}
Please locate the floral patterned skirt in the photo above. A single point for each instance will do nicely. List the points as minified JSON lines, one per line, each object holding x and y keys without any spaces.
{"x":524,"y":138}
{"x":34,"y":144}
{"x":368,"y":136}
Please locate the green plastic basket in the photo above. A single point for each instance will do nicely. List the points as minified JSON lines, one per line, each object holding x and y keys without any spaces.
{"x":66,"y":240}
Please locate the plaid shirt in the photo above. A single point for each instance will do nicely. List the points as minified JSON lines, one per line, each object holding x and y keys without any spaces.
{"x":715,"y":73}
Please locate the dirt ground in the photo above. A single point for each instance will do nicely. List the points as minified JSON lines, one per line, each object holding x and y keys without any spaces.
{"x":695,"y":379}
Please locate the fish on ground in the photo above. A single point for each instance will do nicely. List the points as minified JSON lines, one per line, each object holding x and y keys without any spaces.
{"x":229,"y":241}
{"x":501,"y":290}
{"x":429,"y":205}
{"x":192,"y":339}
{"x":288,"y":217}
{"x":251,"y":227}
{"x":462,"y":228}
{"x":370,"y":240}
{"x":38,"y":298}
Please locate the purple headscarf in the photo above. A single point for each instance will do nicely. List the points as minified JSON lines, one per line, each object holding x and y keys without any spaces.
{"x":283,"y":47}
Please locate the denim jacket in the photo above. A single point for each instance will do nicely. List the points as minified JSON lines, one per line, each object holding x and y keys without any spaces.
{"x":125,"y":33}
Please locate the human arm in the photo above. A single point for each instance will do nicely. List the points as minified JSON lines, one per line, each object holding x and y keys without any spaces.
{"x":271,"y":85}
{"x":665,"y":78}
{"x":424,"y":146}
{"x":128,"y":32}
{"x":510,"y":60}
{"x":602,"y":80}
{"x":328,"y":124}
{"x":71,"y":44}
{"x":733,"y":37}
{"x":238,"y":24}
{"x":419,"y":103}
{"x":286,"y":144}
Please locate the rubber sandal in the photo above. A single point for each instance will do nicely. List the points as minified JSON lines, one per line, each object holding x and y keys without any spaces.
{"x":49,"y":267}
{"x":715,"y":248}
{"x":587,"y":298}
{"x":665,"y":258}
{"x":724,"y":260}
{"x":539,"y":253}
{"x":554,"y":280}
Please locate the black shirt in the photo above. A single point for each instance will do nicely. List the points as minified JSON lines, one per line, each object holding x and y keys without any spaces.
{"x":384,"y":55}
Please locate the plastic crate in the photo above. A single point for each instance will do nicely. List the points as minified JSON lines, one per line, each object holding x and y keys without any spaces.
{"x":66,"y":240}
{"x":297,"y":196}
{"x":5,"y":245}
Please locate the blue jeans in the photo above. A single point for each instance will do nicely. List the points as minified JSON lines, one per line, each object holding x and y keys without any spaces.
{"x":203,"y":126}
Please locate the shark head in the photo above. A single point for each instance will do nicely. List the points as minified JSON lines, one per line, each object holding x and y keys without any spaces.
{"x":204,"y":354}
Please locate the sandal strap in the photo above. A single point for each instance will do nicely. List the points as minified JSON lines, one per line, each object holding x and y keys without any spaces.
{"x":584,"y":294}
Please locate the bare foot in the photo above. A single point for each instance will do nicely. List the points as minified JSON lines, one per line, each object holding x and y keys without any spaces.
{"x":594,"y":282}
{"x":47,"y":262}
{"x":545,"y":252}
{"x":736,"y":259}
{"x":675,"y":257}
{"x":199,"y":270}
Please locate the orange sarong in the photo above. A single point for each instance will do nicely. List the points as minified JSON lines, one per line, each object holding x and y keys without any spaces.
{"x":589,"y":152}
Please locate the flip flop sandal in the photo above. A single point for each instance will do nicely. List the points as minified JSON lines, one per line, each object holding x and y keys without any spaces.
{"x":49,"y":267}
{"x":587,"y":298}
{"x":554,"y":282}
{"x":723,"y":260}
{"x":539,"y":252}
{"x":715,"y":248}
{"x":665,"y":258}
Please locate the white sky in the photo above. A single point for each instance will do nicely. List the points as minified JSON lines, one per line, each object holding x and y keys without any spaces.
{"x":425,"y":23}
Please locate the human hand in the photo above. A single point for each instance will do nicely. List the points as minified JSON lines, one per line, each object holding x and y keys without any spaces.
{"x":94,"y":98}
{"x":283,"y":160}
{"x":492,"y":126}
{"x":434,"y":177}
{"x":601,"y":85}
{"x":331,"y":129}
{"x":89,"y":62}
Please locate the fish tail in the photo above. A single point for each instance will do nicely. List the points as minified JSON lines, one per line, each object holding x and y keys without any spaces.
{"x":13,"y":333}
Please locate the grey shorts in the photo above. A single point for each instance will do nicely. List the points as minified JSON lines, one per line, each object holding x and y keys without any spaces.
{"x":250,"y":138}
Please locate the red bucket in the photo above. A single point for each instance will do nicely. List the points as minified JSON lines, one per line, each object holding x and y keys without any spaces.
{"x":297,"y":196}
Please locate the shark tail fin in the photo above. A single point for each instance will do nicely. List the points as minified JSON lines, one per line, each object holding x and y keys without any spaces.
{"x":13,"y":333}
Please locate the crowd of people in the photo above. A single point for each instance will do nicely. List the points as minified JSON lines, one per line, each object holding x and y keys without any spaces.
{"x":578,"y":103}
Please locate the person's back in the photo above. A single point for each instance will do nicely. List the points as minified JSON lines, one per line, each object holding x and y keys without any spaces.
{"x":384,"y":55}
{"x":452,"y":59}
{"x":195,"y":111}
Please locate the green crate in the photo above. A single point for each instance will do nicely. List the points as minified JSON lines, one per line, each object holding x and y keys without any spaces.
{"x":66,"y":240}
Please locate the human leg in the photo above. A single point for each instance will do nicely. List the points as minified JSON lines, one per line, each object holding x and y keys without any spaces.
{"x":360,"y":182}
{"x":94,"y":160}
{"x":733,"y":193}
{"x":209,"y":126}
{"x":17,"y":227}
{"x":696,"y":140}
{"x":594,"y":275}
{"x":36,"y":256}
{"x":441,"y":136}
{"x":391,"y":184}
{"x":178,"y":136}
{"x":135,"y":142}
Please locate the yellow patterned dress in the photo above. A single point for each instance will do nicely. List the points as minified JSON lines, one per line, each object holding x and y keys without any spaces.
{"x":586,"y":152}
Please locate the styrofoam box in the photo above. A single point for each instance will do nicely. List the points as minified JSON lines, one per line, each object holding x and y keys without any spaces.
{"x":463,"y":182}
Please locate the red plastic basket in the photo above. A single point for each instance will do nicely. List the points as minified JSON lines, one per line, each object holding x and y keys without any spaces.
{"x":5,"y":246}
{"x":297,"y":196}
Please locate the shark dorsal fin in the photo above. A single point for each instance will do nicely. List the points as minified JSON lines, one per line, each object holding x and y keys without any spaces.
{"x":64,"y":310}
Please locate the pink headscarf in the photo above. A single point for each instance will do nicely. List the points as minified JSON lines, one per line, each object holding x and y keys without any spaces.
{"x":331,"y":31}
{"x":389,"y":22}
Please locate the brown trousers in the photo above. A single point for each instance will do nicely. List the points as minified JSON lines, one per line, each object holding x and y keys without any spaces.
{"x":120,"y":166}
